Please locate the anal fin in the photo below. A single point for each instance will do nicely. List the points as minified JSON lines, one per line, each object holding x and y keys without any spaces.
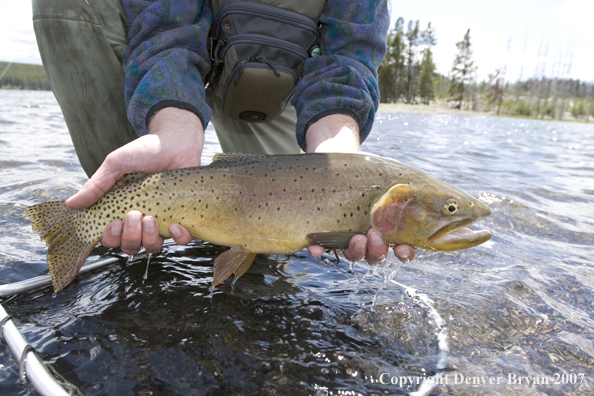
{"x":235,"y":261}
{"x":331,"y":240}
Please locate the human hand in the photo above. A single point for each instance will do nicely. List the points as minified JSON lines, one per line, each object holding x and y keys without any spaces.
{"x":175,"y":140}
{"x":340,"y":133}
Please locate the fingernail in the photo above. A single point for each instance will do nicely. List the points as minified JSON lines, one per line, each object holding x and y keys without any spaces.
{"x":149,"y":225}
{"x":133,"y":219}
{"x":360,"y":246}
{"x":115,"y":229}
{"x":174,"y":230}
{"x":375,"y":239}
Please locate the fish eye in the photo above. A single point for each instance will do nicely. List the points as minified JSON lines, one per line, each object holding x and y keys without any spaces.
{"x":451,"y":207}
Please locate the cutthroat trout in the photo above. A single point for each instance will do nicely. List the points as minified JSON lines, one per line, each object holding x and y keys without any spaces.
{"x":274,"y":204}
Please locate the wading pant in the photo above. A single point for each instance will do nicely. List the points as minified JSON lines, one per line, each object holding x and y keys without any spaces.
{"x":82,"y":43}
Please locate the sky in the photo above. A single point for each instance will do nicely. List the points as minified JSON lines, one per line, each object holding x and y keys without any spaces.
{"x":506,"y":34}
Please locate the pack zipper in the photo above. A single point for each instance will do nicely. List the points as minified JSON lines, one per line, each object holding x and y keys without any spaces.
{"x":257,"y":9}
{"x":259,"y":39}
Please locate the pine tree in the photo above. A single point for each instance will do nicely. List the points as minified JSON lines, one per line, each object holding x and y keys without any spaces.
{"x":391,"y":71}
{"x":427,"y":81}
{"x":462,"y":70}
{"x":413,"y":38}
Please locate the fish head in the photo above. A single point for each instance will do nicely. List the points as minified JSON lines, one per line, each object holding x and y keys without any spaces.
{"x":429,"y":214}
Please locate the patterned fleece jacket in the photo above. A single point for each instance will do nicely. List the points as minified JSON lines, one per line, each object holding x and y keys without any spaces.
{"x":166,"y":61}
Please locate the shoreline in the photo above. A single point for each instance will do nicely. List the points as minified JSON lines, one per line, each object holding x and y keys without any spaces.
{"x":423,"y":109}
{"x":440,"y":109}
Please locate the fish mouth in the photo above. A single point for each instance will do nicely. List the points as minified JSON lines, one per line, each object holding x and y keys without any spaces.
{"x":457,"y":237}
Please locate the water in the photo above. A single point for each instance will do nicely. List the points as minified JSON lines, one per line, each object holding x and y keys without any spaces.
{"x":519,"y":305}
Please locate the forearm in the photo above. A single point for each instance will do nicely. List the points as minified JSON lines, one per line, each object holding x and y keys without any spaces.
{"x":181,"y":137}
{"x":333,"y":133}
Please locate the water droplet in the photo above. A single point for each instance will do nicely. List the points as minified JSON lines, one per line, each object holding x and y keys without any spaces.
{"x":148,"y":261}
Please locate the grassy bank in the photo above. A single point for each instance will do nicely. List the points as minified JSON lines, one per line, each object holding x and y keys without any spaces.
{"x":23,"y":76}
{"x":433,"y":108}
{"x":444,"y":108}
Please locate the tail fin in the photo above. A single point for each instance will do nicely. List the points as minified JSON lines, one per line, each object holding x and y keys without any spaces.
{"x":63,"y":232}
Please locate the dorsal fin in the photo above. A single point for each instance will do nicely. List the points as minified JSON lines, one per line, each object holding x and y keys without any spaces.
{"x":226,"y":159}
{"x":131,"y":177}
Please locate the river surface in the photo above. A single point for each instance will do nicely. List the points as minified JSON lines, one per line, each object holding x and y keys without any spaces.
{"x":468,"y":323}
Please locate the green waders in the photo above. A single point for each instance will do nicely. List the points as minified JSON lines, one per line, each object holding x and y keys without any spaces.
{"x":82,"y":45}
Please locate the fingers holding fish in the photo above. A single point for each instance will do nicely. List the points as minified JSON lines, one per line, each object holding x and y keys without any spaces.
{"x":131,"y":236}
{"x":316,"y":250}
{"x":357,"y":248}
{"x":180,"y":235}
{"x":405,"y":253}
{"x":377,"y":248}
{"x":151,"y":240}
{"x":132,"y":233}
{"x":112,"y":235}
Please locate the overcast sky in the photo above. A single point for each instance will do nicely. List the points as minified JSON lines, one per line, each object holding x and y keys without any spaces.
{"x":564,"y":27}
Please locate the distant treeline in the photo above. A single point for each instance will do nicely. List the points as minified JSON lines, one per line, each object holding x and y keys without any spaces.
{"x":23,"y":76}
{"x":408,"y":75}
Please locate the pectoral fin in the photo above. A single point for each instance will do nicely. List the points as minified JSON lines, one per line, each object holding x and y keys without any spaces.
{"x":331,"y":240}
{"x":235,"y":261}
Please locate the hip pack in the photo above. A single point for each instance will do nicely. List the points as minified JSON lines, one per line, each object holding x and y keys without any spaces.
{"x":258,"y":51}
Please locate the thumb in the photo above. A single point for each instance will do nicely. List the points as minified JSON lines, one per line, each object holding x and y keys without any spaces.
{"x":102,"y":181}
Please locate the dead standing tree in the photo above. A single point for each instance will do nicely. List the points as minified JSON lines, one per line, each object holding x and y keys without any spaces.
{"x":462,"y":70}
